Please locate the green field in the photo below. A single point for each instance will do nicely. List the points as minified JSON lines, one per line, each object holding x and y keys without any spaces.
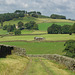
{"x":40,"y":47}
{"x":48,"y":37}
{"x":44,"y":26}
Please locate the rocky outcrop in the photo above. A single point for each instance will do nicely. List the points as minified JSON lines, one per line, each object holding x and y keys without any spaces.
{"x":8,"y":50}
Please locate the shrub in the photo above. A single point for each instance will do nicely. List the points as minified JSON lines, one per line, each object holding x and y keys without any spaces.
{"x":17,"y":32}
{"x":54,"y":29}
{"x":5,"y":27}
{"x":31,"y":25}
{"x":70,"y":48}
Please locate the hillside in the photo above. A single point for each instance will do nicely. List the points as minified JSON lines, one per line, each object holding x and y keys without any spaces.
{"x":37,"y":20}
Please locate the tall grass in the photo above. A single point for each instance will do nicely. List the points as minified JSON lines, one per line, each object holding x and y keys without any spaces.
{"x":12,"y":65}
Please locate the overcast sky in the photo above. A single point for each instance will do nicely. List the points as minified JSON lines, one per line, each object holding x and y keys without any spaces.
{"x":46,"y":7}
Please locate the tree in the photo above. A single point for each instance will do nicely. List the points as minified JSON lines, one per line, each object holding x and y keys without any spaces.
{"x":31,"y":25}
{"x":17,"y":32}
{"x":65,"y":29}
{"x":55,"y":16}
{"x":38,"y":13}
{"x":70,"y":48}
{"x":54,"y":29}
{"x":20,"y":25}
{"x":5,"y":27}
{"x":10,"y":28}
{"x":73,"y":28}
{"x":35,"y":15}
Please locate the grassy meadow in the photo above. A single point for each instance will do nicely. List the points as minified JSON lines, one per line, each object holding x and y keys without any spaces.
{"x":40,"y":47}
{"x":37,"y":20}
{"x":17,"y":65}
{"x":48,"y":37}
{"x":13,"y":65}
{"x":44,"y":26}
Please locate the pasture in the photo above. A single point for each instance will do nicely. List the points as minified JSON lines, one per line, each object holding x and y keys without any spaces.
{"x":48,"y":37}
{"x":37,"y":20}
{"x":40,"y":47}
{"x":44,"y":26}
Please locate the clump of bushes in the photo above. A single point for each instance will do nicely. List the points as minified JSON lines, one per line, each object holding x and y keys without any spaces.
{"x":17,"y":32}
{"x":58,"y":29}
{"x":70,"y":48}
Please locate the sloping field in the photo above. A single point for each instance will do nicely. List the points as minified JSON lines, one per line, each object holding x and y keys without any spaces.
{"x":44,"y":26}
{"x":37,"y":20}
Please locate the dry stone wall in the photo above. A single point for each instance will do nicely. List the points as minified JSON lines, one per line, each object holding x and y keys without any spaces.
{"x":68,"y":62}
{"x":8,"y":50}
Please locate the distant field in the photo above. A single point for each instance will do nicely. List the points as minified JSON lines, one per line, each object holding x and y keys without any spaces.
{"x":37,"y":20}
{"x":44,"y":26}
{"x":40,"y":47}
{"x":48,"y":37}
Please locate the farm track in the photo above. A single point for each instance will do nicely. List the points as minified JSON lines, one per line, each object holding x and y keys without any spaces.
{"x":30,"y":71}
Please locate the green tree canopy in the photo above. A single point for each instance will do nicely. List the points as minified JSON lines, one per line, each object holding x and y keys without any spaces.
{"x":70,"y":48}
{"x":54,"y":29}
{"x":55,"y":16}
{"x":73,"y":28}
{"x":20,"y":25}
{"x":31,"y":25}
{"x":65,"y":29}
{"x":17,"y":32}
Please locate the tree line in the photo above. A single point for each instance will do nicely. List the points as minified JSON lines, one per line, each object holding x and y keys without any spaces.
{"x":58,"y":29}
{"x":20,"y":26}
{"x":55,"y":16}
{"x":70,"y":48}
{"x":17,"y":14}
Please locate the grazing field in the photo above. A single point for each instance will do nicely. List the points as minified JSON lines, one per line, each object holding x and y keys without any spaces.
{"x":32,"y":32}
{"x":40,"y":47}
{"x":13,"y":65}
{"x":48,"y":37}
{"x":37,"y":20}
{"x":44,"y":26}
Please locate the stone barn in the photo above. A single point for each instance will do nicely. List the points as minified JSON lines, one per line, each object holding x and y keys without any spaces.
{"x":39,"y":38}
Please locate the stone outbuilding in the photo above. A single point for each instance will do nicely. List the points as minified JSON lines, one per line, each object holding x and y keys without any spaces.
{"x":39,"y":38}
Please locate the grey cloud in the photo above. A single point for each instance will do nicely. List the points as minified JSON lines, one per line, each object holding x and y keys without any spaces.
{"x":47,"y":7}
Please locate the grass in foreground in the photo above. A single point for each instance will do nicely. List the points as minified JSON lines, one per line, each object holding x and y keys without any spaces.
{"x":40,"y":47}
{"x":41,"y":66}
{"x":12,"y":65}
